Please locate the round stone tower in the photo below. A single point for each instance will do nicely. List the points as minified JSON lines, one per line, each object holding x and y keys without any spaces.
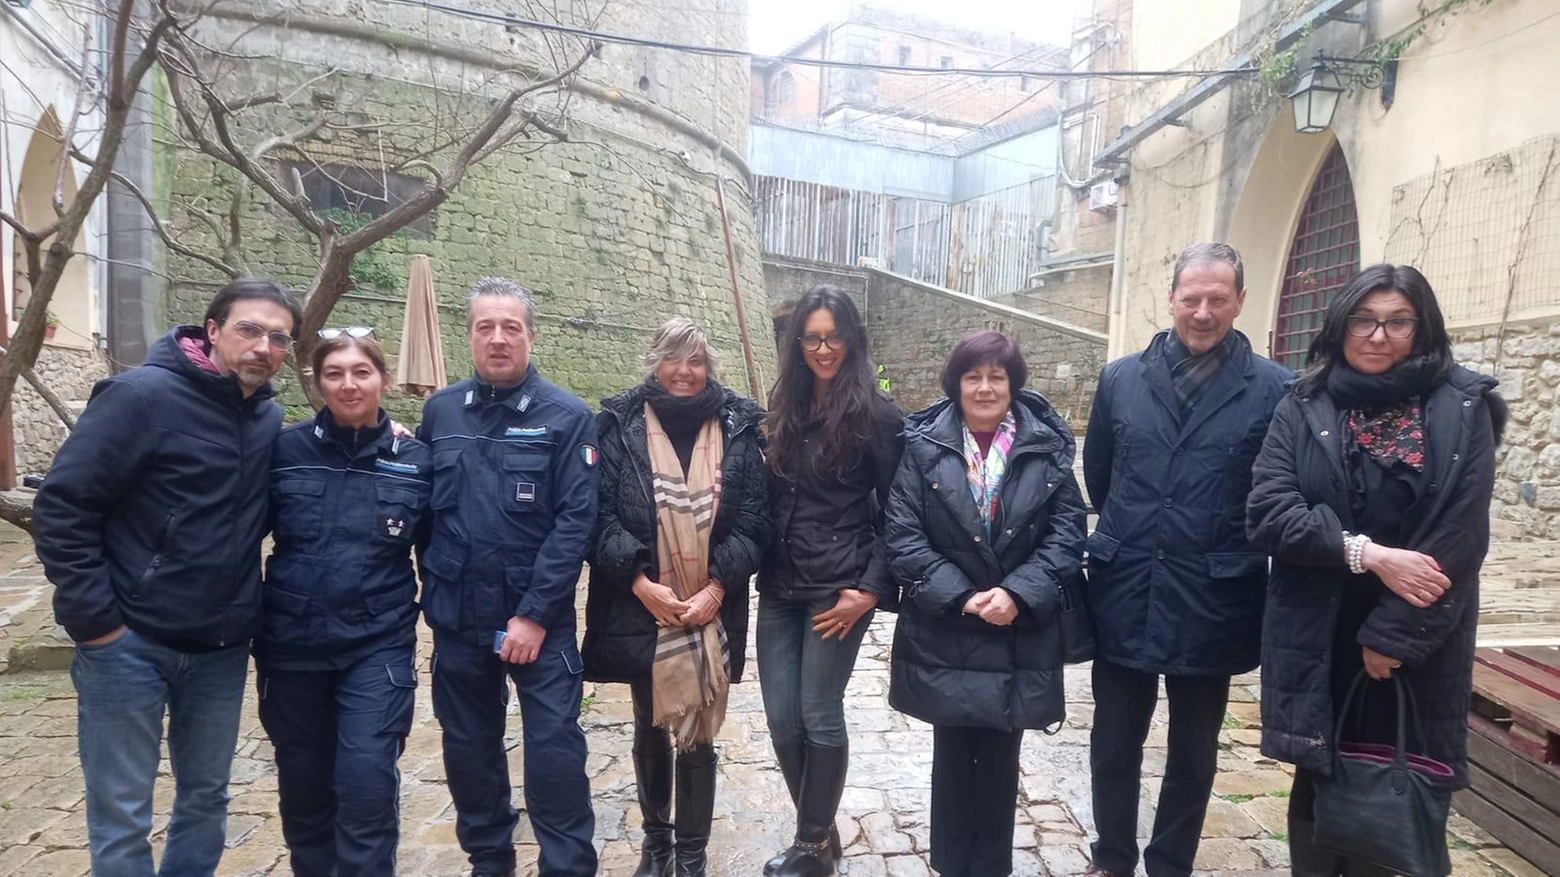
{"x":615,"y":228}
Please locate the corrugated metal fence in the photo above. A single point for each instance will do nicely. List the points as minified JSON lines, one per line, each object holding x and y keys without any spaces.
{"x":985,"y":246}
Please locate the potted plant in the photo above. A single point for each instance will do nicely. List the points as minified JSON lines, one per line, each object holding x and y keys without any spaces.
{"x":50,"y":324}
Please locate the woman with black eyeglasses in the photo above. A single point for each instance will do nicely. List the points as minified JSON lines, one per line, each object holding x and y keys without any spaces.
{"x":1372,"y":494}
{"x":335,"y":659}
{"x":834,"y":445}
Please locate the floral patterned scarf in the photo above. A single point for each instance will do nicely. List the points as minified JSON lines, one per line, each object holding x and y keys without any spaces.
{"x":986,"y":473}
{"x":1396,"y":432}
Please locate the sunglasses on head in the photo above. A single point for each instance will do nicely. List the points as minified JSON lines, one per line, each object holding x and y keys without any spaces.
{"x":349,"y":331}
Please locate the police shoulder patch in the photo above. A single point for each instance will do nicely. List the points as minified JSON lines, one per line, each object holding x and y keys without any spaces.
{"x":590,"y":455}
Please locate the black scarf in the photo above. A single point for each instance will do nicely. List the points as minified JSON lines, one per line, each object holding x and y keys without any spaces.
{"x":681,"y":414}
{"x":1415,"y":376}
{"x":1188,"y":371}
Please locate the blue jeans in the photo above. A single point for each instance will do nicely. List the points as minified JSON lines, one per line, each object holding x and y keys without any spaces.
{"x":801,"y":674}
{"x":337,"y":736}
{"x":123,"y":689}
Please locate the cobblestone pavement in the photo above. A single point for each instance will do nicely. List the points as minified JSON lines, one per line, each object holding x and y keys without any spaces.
{"x":883,"y":819}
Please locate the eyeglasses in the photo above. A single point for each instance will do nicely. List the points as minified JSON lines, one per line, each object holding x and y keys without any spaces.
{"x":349,"y":331}
{"x":1397,"y":327}
{"x":250,"y":332}
{"x":811,"y":343}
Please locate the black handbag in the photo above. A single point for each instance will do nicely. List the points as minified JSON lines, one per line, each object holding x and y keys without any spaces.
{"x":1077,"y":632}
{"x":1381,"y":804}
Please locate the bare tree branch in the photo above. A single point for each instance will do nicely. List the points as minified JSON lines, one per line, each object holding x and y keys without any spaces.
{"x":157,"y":223}
{"x":49,"y":396}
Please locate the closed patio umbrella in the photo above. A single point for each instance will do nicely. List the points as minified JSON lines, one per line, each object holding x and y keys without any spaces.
{"x":419,"y":369}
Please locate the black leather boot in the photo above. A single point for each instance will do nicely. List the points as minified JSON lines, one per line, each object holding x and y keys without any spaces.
{"x":653,"y":776}
{"x":792,"y":758}
{"x":823,"y":782}
{"x":695,"y":808}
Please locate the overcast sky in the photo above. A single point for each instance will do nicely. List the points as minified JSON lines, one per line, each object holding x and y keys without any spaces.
{"x":776,"y":25}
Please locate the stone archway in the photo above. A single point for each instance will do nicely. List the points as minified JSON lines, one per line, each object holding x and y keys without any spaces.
{"x":1266,"y":216}
{"x":39,"y":173}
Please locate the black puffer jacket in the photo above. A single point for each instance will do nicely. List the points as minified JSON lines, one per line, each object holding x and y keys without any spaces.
{"x":953,"y":669}
{"x":620,"y":633}
{"x":1298,"y":511}
{"x":828,"y":528}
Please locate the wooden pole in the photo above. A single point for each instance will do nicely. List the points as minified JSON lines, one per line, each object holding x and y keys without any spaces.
{"x":736,"y":294}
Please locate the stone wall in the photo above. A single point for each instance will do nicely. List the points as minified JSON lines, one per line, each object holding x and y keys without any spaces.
{"x":1526,"y":359}
{"x":38,"y":431}
{"x":1080,"y":297}
{"x":614,"y":231}
{"x":912,"y":327}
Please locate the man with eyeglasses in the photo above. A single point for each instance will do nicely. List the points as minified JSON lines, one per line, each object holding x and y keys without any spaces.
{"x":149,"y":525}
{"x":514,"y":509}
{"x":1175,"y":589}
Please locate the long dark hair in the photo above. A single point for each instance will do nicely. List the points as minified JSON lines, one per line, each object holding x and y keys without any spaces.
{"x":845,"y":412}
{"x":1430,"y":338}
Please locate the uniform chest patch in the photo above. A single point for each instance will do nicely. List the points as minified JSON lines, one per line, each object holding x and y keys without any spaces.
{"x":525,"y":491}
{"x":393,"y":466}
{"x":525,"y":432}
{"x":394,"y":526}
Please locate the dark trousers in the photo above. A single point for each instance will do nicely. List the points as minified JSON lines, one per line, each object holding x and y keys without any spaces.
{"x":470,"y":694}
{"x":974,"y":800}
{"x":1124,"y":702}
{"x":337,"y":736}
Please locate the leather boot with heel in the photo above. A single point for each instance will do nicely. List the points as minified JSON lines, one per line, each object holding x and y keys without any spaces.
{"x":653,"y":776}
{"x":792,"y":758}
{"x":695,"y":808}
{"x":823,"y":783}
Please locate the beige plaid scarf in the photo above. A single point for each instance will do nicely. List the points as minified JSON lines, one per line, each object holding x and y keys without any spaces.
{"x":689,"y":677}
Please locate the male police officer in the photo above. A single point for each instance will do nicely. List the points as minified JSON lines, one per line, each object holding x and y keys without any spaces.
{"x":1174,"y":587}
{"x":514,"y":504}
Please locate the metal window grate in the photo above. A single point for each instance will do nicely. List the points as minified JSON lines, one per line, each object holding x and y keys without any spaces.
{"x":1324,"y":256}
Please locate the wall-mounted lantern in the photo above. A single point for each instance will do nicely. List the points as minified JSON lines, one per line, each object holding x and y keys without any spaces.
{"x":1315,"y":97}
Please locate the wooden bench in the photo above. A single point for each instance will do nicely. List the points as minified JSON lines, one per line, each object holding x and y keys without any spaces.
{"x":1514,"y":751}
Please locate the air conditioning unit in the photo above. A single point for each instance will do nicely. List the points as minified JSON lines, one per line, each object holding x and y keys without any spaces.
{"x":1102,"y":197}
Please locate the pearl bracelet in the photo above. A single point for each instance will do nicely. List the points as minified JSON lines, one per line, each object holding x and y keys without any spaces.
{"x":1354,"y":551}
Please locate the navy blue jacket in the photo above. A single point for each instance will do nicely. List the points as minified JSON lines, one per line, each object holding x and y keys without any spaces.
{"x":153,"y":511}
{"x":514,"y":504}
{"x":346,"y":506}
{"x":1174,"y":587}
{"x":953,"y":669}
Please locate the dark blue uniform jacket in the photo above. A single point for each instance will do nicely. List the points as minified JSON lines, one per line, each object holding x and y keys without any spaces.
{"x":347,"y":506}
{"x":514,"y":504}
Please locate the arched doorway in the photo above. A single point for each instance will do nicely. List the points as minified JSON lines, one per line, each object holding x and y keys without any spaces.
{"x":1323,"y":256}
{"x":40,"y":172}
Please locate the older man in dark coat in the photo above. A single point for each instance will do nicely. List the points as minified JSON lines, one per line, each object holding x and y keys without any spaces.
{"x":1175,"y":589}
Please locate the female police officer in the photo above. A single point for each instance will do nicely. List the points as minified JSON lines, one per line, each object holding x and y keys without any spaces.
{"x":335,"y":658}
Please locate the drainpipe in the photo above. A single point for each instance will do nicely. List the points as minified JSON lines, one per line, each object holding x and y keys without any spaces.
{"x":1117,"y":282}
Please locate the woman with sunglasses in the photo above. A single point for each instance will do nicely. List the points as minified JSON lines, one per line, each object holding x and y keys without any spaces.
{"x":1372,"y":494}
{"x":834,"y":444}
{"x":335,"y":658}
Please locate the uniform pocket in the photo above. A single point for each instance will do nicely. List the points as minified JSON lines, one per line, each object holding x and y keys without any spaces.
{"x":395,"y":514}
{"x":1102,"y":547}
{"x":1236,"y":564}
{"x":400,"y":699}
{"x":446,"y":479}
{"x":300,"y":506}
{"x":525,"y":485}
